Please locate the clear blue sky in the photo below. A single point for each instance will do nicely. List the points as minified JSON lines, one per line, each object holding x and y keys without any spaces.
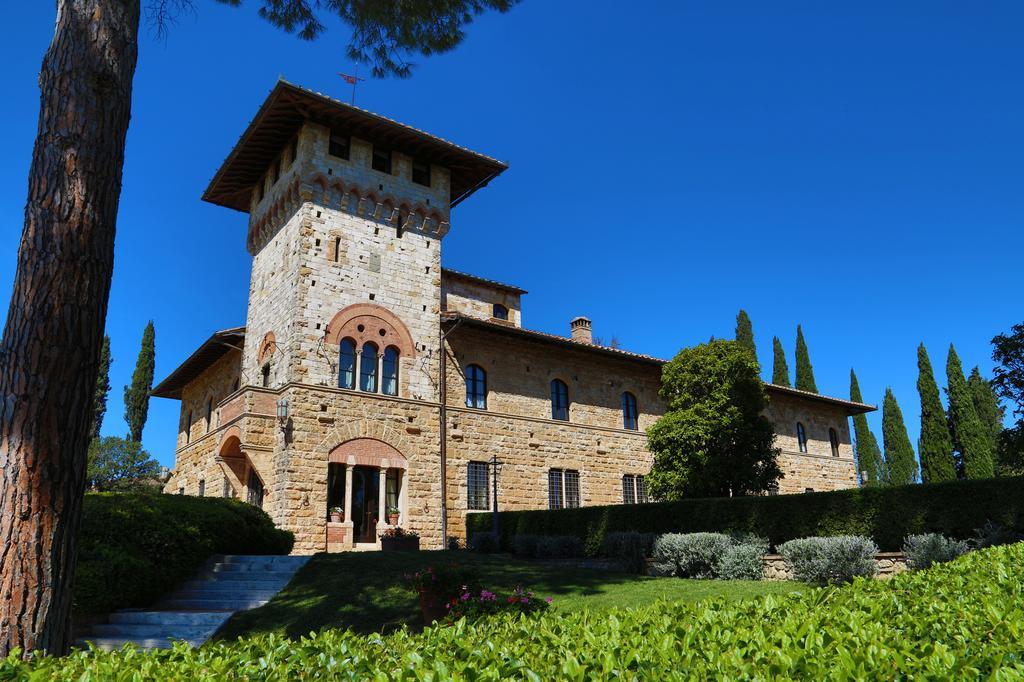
{"x":853,"y":167}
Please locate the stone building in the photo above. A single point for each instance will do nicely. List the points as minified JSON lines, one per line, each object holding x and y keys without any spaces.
{"x":370,"y":380}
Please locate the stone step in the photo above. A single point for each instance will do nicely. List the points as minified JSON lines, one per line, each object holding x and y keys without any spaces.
{"x":186,"y":618}
{"x":214,"y":604}
{"x":154,"y":631}
{"x":220,"y":595}
{"x":283,"y":560}
{"x":114,"y":643}
{"x":270,"y":569}
{"x":233,"y":585}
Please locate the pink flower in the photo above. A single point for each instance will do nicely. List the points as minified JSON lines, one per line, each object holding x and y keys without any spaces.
{"x":465,"y":596}
{"x":548,"y":600}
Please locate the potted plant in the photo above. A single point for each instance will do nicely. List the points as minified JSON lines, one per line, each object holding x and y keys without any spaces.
{"x":336,"y":514}
{"x":393,"y":514}
{"x":399,"y":540}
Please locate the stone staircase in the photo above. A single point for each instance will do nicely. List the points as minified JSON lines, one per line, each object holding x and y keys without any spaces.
{"x":199,"y":607}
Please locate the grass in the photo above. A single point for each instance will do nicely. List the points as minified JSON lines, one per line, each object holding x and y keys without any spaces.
{"x":366,"y":591}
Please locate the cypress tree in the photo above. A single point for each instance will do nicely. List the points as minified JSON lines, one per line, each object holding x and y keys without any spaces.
{"x":99,"y":400}
{"x":969,"y":434}
{"x":935,"y":445}
{"x":136,"y":395}
{"x":986,"y":404}
{"x":745,"y":332}
{"x":869,"y":456}
{"x":899,"y":454}
{"x":804,"y":371}
{"x":780,"y":368}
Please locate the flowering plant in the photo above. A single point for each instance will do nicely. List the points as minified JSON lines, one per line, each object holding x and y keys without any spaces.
{"x":471,"y":605}
{"x":444,"y":581}
{"x":398,"y":532}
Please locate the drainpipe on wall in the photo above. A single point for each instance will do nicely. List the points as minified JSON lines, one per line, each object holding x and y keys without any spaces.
{"x":443,"y":411}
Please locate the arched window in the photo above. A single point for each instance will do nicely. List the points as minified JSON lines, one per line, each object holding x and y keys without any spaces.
{"x":629,"y":411}
{"x":559,"y":400}
{"x":833,"y":439}
{"x":389,"y":371}
{"x":368,"y":368}
{"x":476,"y":387}
{"x":500,"y":312}
{"x":801,"y":437}
{"x":347,"y":364}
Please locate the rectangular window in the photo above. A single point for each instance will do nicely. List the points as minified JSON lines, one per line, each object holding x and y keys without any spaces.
{"x":391,"y":490}
{"x":478,"y":490}
{"x":563,"y":489}
{"x":293,"y":150}
{"x":202,"y":488}
{"x":339,"y":146}
{"x":572,"y":489}
{"x":633,"y":489}
{"x":266,"y":375}
{"x":188,"y":427}
{"x":421,"y":172}
{"x":555,"y":489}
{"x":381,"y":160}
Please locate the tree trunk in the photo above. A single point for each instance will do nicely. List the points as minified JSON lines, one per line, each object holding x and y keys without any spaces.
{"x":50,"y":350}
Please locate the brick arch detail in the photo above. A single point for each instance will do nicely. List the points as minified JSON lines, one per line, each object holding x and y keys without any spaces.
{"x":368,"y":452}
{"x":363,"y":428}
{"x":373,"y":318}
{"x":230,"y":437}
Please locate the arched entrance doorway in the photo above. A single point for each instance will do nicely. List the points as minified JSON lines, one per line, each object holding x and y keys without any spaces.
{"x":241,"y":479}
{"x":366,"y":481}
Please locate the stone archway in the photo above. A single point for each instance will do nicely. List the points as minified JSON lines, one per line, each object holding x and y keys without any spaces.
{"x":239,"y":470}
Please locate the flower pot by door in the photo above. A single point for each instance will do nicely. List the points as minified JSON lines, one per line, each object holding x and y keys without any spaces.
{"x":393,"y":519}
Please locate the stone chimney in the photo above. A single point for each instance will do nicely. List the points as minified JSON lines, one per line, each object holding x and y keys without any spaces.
{"x":581,"y":331}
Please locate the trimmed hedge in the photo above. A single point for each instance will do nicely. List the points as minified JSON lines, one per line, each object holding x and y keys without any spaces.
{"x":135,"y":547}
{"x":887,"y":515}
{"x":960,"y":620}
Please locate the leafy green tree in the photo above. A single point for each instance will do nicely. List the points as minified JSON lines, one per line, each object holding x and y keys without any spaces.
{"x":136,"y":394}
{"x":99,"y":405}
{"x":986,"y":404}
{"x":713,"y":439}
{"x":970,"y":436}
{"x":745,"y":332}
{"x":1008,"y":381}
{"x":804,"y":371}
{"x":118,"y":464}
{"x":869,"y":456}
{"x":66,"y":259}
{"x":935,"y":445}
{"x":780,"y":368}
{"x":900,"y":464}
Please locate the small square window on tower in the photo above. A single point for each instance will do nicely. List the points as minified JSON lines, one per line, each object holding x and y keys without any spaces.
{"x":381,"y":160}
{"x":339,"y":146}
{"x":421,"y":172}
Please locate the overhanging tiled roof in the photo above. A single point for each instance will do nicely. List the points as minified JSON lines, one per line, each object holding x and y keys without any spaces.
{"x":851,"y":407}
{"x":212,"y":350}
{"x":288,"y":106}
{"x":448,"y":272}
{"x":453,"y":317}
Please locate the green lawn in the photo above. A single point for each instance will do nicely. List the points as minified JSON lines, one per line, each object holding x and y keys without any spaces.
{"x":366,"y":591}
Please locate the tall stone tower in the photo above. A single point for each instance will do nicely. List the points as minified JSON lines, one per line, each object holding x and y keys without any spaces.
{"x":347,"y":211}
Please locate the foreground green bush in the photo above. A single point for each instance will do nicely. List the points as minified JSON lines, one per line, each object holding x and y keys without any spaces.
{"x":135,"y":547}
{"x":887,"y":515}
{"x":960,"y":620}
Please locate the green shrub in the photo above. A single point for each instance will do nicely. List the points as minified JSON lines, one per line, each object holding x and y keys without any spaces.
{"x":959,"y":620}
{"x":691,"y":555}
{"x":484,"y":542}
{"x":135,"y":547}
{"x":992,"y":534}
{"x":525,"y":545}
{"x":742,"y":562}
{"x":923,"y":551}
{"x":630,"y":547}
{"x":832,"y":560}
{"x":885,"y":514}
{"x":558,"y":547}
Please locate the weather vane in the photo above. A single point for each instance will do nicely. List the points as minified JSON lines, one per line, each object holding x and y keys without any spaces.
{"x":352,"y":80}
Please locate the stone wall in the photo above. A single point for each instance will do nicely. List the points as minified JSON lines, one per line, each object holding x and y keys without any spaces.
{"x":889,"y":564}
{"x":817,"y":469}
{"x":477,"y":299}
